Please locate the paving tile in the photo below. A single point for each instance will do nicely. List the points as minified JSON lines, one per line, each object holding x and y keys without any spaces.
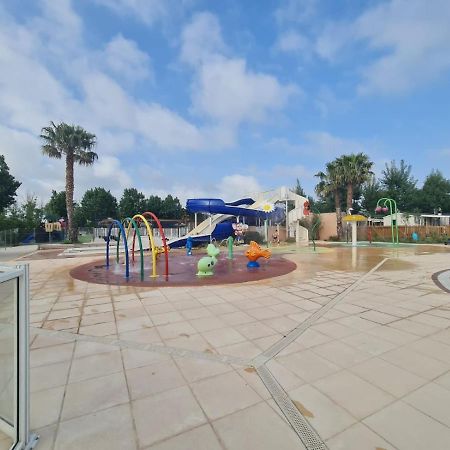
{"x":257,"y":427}
{"x":407,"y":428}
{"x":415,"y":362}
{"x":64,"y":313}
{"x":224,"y":394}
{"x":87,"y":396}
{"x":167,"y":317}
{"x":432,"y":348}
{"x":254,"y":330}
{"x":49,"y":376}
{"x":144,"y":336}
{"x":395,"y":380}
{"x":62,"y":324}
{"x":46,"y":437}
{"x":223,"y":336}
{"x":432,"y":400}
{"x":45,"y":407}
{"x":358,"y":437}
{"x":201,"y":438}
{"x":176,"y":411}
{"x":196,"y":313}
{"x":198,"y":369}
{"x":91,"y":348}
{"x":100,"y":329}
{"x":307,"y":365}
{"x":51,"y":354}
{"x":444,"y":380}
{"x":371,"y":345}
{"x":93,"y":319}
{"x":96,"y":365}
{"x":207,"y":323}
{"x":174,"y":330}
{"x":98,"y":308}
{"x":139,"y":358}
{"x":340,"y":353}
{"x":352,"y":393}
{"x":326,"y":417}
{"x":154,"y":378}
{"x":135,"y":323}
{"x":110,"y":429}
{"x":334,"y":330}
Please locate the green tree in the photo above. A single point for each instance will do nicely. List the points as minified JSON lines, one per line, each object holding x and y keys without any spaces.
{"x":75,"y":144}
{"x":371,"y":192}
{"x":97,"y":204}
{"x":298,"y":189}
{"x":56,"y":206}
{"x":154,"y":204}
{"x":131,"y":203}
{"x":398,"y":184}
{"x":331,"y":184}
{"x":8,"y":185}
{"x":355,"y":169}
{"x":171,"y":208}
{"x":32,"y":215}
{"x":435,"y":193}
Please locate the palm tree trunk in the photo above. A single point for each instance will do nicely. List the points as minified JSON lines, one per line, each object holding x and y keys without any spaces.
{"x":69,"y":196}
{"x":349,"y":196}
{"x":337,"y":203}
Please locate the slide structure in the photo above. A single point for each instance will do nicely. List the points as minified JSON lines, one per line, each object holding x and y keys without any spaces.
{"x":216,"y":227}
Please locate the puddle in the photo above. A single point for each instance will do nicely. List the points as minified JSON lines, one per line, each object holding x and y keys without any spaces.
{"x":303,"y":410}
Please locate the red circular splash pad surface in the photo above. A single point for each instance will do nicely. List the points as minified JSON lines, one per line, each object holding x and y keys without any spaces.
{"x":182,"y":271}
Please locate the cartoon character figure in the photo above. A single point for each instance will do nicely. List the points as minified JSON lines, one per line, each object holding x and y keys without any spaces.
{"x":306,"y":208}
{"x":239,"y":231}
{"x":189,"y":243}
{"x":254,"y":252}
{"x":206,"y":264}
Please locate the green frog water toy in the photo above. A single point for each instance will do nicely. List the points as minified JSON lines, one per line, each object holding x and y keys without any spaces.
{"x":206,"y":264}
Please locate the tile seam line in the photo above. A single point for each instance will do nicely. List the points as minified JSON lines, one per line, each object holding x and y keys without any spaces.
{"x":272,"y":351}
{"x":173,"y":351}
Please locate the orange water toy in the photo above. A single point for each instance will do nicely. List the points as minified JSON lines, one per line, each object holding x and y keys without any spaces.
{"x":254,"y":252}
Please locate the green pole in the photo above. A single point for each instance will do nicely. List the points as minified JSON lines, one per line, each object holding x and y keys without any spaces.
{"x":230,"y":242}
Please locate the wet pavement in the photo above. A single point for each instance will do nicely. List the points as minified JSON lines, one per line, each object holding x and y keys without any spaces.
{"x":362,"y":354}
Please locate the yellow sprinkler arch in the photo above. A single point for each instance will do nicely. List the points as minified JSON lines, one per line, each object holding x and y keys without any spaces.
{"x":151,"y":240}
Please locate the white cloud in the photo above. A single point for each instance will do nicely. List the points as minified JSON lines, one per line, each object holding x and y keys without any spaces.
{"x":409,"y":40}
{"x":124,"y":58}
{"x":201,"y":39}
{"x":295,"y":11}
{"x":228,"y":92}
{"x":237,"y":186}
{"x":147,"y":11}
{"x":292,"y":41}
{"x":225,"y":89}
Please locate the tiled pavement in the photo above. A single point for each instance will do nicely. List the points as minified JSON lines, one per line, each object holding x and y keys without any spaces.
{"x":123,"y":368}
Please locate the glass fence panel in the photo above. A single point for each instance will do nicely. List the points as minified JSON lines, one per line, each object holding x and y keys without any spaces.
{"x":8,"y":361}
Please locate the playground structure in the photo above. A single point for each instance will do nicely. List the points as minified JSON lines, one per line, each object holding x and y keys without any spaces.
{"x":254,"y":252}
{"x":354,"y":219}
{"x":216,"y":227}
{"x":383,"y":206}
{"x":135,"y":222}
{"x":206,"y":264}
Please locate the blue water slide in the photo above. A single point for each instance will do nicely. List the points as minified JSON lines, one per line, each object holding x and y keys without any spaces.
{"x":218,"y":206}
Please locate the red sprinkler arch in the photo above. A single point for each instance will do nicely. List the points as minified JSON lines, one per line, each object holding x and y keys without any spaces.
{"x":163,"y":237}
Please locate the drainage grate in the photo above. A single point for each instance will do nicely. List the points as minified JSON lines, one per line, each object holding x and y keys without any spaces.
{"x":301,"y":426}
{"x":296,"y":332}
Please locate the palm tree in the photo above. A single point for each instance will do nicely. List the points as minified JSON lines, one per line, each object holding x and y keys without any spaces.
{"x":355,"y":171}
{"x":76,"y":145}
{"x":330,"y":183}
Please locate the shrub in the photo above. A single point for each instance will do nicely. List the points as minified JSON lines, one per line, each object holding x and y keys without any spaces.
{"x":253,"y":236}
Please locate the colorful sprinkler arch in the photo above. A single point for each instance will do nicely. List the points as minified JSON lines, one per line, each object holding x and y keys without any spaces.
{"x":135,"y":222}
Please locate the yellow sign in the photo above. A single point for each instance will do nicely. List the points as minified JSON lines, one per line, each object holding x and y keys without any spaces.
{"x":355,"y":218}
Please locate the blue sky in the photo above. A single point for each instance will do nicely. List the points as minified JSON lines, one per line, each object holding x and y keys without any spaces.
{"x":209,"y":98}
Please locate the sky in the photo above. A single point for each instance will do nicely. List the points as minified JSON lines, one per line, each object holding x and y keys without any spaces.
{"x":203,"y":98}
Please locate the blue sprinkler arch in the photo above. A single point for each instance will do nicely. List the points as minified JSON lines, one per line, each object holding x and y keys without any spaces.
{"x":124,"y":237}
